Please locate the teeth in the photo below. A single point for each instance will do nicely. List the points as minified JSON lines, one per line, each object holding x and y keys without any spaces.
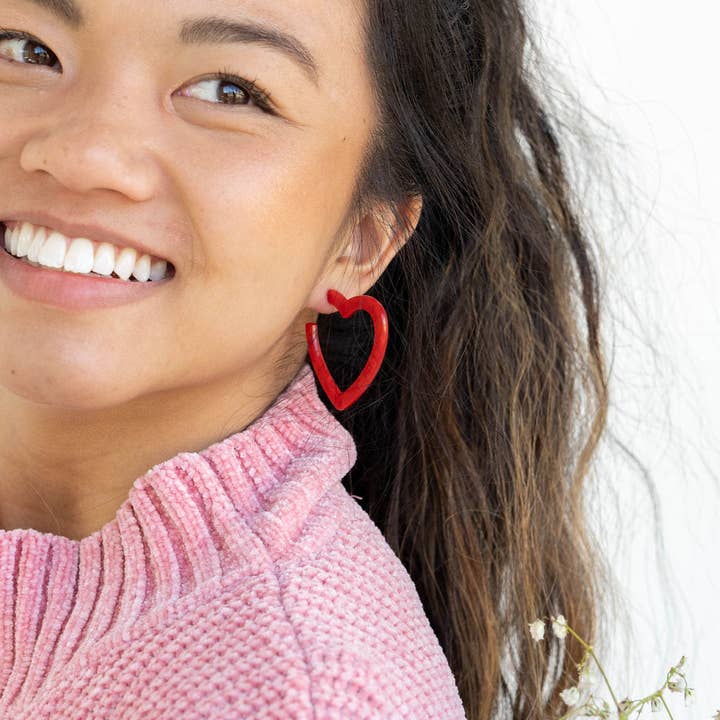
{"x":23,"y":238}
{"x":158,"y":268}
{"x":125,"y":263}
{"x":104,"y":260}
{"x":80,"y":255}
{"x":141,"y":271}
{"x":35,"y":244}
{"x":52,"y":251}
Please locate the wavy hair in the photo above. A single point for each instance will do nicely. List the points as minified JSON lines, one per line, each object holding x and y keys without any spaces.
{"x":477,"y":436}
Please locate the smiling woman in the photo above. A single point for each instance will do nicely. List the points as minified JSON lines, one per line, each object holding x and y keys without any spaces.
{"x":190,"y":190}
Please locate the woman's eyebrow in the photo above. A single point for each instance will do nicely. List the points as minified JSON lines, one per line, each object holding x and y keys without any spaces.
{"x":222,"y":30}
{"x":66,"y":10}
{"x":210,"y":30}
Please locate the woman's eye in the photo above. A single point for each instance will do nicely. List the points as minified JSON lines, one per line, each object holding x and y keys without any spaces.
{"x":221,"y":89}
{"x":22,"y":48}
{"x":224,"y":90}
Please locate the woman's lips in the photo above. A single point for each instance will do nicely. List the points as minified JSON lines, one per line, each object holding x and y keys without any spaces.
{"x":71,"y":291}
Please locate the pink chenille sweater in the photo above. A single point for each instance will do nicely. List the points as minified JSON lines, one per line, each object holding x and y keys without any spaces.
{"x":241,"y":581}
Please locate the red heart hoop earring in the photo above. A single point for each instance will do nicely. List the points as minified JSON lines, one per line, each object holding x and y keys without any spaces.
{"x":343,"y":400}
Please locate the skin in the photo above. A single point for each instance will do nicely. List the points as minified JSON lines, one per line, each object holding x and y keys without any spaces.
{"x":247,"y":205}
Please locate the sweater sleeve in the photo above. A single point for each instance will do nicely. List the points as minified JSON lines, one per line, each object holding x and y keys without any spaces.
{"x":359,"y":628}
{"x":348,"y":686}
{"x":338,"y":685}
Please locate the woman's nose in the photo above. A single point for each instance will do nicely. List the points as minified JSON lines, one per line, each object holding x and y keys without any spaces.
{"x":94,"y":146}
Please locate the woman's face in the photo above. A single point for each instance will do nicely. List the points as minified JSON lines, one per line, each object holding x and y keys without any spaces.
{"x":120,"y":123}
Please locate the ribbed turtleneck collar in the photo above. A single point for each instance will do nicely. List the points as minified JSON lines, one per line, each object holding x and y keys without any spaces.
{"x":198,"y":518}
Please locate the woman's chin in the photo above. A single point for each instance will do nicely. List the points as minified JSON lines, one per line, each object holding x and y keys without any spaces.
{"x":73,"y":390}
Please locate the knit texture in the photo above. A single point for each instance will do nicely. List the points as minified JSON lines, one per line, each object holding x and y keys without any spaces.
{"x":241,"y":581}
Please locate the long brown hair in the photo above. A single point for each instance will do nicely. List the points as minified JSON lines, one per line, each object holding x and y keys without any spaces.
{"x":476,"y":438}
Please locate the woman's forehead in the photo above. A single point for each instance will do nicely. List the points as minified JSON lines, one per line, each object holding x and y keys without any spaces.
{"x":317,"y":17}
{"x":310,"y":33}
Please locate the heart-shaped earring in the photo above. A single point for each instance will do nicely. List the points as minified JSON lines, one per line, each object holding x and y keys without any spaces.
{"x":342,"y":400}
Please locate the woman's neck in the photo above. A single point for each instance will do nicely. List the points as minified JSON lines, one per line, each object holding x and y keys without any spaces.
{"x":66,"y":472}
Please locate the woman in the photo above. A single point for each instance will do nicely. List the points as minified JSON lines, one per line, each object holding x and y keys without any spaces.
{"x":191,"y":190}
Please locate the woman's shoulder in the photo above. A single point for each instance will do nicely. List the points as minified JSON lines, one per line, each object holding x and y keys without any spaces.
{"x":332,"y":628}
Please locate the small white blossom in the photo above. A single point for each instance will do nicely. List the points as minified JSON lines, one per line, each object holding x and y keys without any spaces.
{"x":624,"y":704}
{"x":559,"y":626}
{"x":674,"y":686}
{"x":605,"y":712}
{"x":681,"y":662}
{"x":689,"y":696}
{"x":586,"y":677}
{"x":537,"y":630}
{"x":593,"y":709}
{"x":570,"y":696}
{"x":656,"y":704}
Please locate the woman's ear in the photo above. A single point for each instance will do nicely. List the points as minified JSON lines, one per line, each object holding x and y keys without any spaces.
{"x":358,"y":263}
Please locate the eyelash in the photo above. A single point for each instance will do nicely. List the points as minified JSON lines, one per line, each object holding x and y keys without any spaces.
{"x":262,"y":98}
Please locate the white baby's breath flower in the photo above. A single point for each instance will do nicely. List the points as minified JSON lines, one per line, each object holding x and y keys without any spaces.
{"x":537,"y":630}
{"x":689,"y":696}
{"x":559,"y":626}
{"x":624,"y":704}
{"x":586,"y":677}
{"x":656,"y":704}
{"x":674,"y":686}
{"x":593,"y":708}
{"x":605,"y":712}
{"x":570,"y":696}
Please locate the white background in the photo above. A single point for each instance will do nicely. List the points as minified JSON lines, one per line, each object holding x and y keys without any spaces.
{"x":649,"y":69}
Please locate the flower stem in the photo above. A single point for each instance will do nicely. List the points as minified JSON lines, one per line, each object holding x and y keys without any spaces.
{"x":666,"y":707}
{"x":597,"y":662}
